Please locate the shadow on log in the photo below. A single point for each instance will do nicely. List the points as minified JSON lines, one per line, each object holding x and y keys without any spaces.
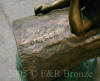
{"x":46,"y":43}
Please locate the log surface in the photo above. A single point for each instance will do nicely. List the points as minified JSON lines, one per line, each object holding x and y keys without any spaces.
{"x":46,"y":43}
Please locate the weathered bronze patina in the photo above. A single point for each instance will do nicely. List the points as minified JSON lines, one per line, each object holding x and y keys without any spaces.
{"x":44,"y":45}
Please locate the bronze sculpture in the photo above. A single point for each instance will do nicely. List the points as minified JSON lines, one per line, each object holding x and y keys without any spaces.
{"x":54,"y":54}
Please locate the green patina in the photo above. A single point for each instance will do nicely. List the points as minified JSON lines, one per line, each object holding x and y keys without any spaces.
{"x":20,"y":68}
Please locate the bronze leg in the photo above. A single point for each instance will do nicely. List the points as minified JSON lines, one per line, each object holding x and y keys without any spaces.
{"x":78,"y":24}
